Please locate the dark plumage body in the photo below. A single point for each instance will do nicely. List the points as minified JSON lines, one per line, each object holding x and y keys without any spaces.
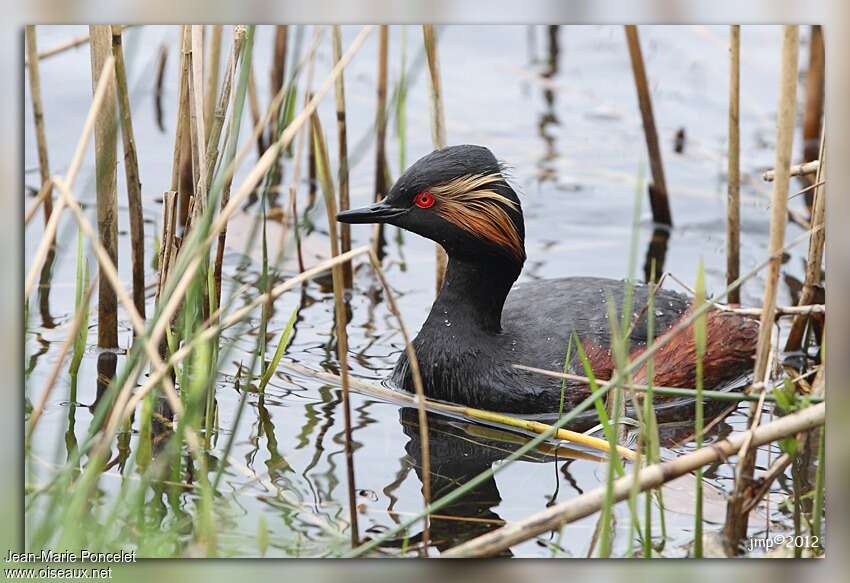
{"x":463,"y":363}
{"x":479,"y":326}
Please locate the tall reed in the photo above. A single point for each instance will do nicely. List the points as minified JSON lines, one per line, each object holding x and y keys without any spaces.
{"x":438,"y":122}
{"x":131,"y":169}
{"x":815,"y":88}
{"x":342,"y":143}
{"x":341,"y":315}
{"x":733,"y":188}
{"x":381,"y":186}
{"x":814,"y":260}
{"x":735,"y":528}
{"x":658,"y":193}
{"x":38,"y":118}
{"x":107,"y":204}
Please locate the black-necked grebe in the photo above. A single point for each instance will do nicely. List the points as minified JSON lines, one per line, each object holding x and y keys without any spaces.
{"x":481,"y":324}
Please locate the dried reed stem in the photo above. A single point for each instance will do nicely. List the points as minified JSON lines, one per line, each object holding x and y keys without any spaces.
{"x":815,"y":78}
{"x":342,"y":142}
{"x":814,"y":260}
{"x":131,"y":169}
{"x":107,"y":203}
{"x":45,"y":192}
{"x":652,"y":476}
{"x":213,"y":72}
{"x":733,"y":192}
{"x":167,"y":251}
{"x":735,"y":528}
{"x":658,"y":189}
{"x":340,"y":314}
{"x":38,"y":118}
{"x":438,"y":122}
{"x":380,"y":184}
{"x":795,"y":170}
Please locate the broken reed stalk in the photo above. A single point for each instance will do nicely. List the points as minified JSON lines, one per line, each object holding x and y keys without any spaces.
{"x":795,"y":170}
{"x":106,"y":76}
{"x":65,"y":46}
{"x":815,"y":76}
{"x":733,"y":186}
{"x":380,"y":187}
{"x":340,"y":312}
{"x":438,"y":122}
{"x":652,"y":476}
{"x":420,"y":400}
{"x":131,"y":169}
{"x":342,"y":141}
{"x":38,"y":118}
{"x":105,"y":178}
{"x":815,"y":257}
{"x":735,"y":528}
{"x":658,"y":197}
{"x":213,"y":73}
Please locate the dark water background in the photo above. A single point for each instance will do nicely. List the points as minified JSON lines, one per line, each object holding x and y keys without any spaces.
{"x":561,"y":110}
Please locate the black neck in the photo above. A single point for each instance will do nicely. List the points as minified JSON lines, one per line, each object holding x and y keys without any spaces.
{"x":474,"y":293}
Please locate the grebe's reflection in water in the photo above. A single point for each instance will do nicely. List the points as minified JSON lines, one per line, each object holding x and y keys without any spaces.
{"x":459,"y":452}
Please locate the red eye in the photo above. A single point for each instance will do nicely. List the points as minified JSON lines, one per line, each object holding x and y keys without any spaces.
{"x":424,"y":200}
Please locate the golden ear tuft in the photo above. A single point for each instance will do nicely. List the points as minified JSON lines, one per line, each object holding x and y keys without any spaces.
{"x":469,"y":204}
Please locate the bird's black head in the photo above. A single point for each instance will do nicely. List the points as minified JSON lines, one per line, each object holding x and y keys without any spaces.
{"x":458,"y":197}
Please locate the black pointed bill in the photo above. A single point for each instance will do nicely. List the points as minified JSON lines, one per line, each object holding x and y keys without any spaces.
{"x":376,"y":213}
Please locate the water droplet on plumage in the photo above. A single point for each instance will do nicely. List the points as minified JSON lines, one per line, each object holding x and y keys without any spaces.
{"x":659,"y":313}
